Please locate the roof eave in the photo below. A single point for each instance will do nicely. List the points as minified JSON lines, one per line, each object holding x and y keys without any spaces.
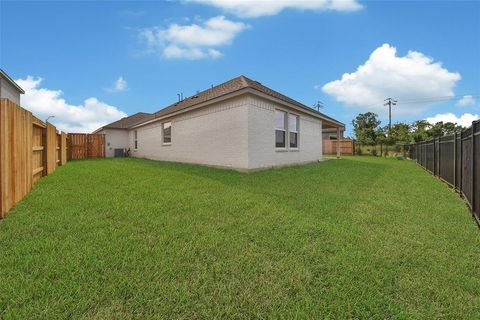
{"x":11,"y":81}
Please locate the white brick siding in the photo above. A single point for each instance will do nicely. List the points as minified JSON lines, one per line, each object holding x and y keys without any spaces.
{"x":237,"y":133}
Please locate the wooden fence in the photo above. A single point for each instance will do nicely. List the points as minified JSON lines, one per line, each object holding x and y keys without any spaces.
{"x":31,"y":149}
{"x":455,"y":159}
{"x":86,"y":146}
{"x":347,"y":146}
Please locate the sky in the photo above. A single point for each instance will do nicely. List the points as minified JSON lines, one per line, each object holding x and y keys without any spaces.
{"x":89,"y":63}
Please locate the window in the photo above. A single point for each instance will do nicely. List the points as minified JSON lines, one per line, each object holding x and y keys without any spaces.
{"x":280,"y":129}
{"x":167,"y":133}
{"x":293,"y":130}
{"x":135,"y":139}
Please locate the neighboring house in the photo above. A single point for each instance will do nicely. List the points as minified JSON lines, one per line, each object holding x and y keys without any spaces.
{"x":239,"y":124}
{"x":9,"y":89}
{"x":116,"y":133}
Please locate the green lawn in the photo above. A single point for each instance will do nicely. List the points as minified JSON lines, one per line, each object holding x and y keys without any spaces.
{"x":360,"y":237}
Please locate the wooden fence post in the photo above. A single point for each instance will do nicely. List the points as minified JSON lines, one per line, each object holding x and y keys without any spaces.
{"x":63,"y":148}
{"x":86,"y":147}
{"x":3,"y":162}
{"x":44,"y":151}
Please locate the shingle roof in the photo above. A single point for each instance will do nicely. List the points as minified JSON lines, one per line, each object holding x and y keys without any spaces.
{"x":215,"y":92}
{"x":225,"y":88}
{"x":228,"y":87}
{"x":130,"y":121}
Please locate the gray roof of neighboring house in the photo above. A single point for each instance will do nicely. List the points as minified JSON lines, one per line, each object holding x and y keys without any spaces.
{"x":220,"y":90}
{"x":5,"y":76}
{"x":129,"y":121}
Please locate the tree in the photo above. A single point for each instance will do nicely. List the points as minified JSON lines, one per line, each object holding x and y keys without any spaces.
{"x":401,"y":133}
{"x":436,"y":130}
{"x":365,"y":128}
{"x":450,"y":128}
{"x":441,"y":129}
{"x":420,"y":130}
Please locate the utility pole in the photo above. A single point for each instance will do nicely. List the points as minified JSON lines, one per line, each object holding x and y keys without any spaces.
{"x":390,"y":102}
{"x":318,"y":105}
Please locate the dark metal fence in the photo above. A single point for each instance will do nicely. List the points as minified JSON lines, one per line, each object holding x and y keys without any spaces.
{"x":455,"y":159}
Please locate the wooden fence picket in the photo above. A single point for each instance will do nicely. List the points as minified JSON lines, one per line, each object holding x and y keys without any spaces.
{"x":29,"y":150}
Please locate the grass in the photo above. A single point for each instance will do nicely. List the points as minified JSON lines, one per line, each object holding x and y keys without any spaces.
{"x":360,"y":237}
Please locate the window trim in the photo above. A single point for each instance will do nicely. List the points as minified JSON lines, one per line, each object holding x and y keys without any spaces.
{"x":135,"y":140}
{"x":285,"y":130}
{"x":163,"y":133}
{"x":297,"y":125}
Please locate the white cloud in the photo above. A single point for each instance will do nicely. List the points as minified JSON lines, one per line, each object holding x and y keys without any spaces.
{"x":384,"y":74}
{"x":119,"y":85}
{"x":87,"y":117}
{"x":192,"y":41}
{"x":256,"y":8}
{"x":464,"y":120}
{"x":467,"y":100}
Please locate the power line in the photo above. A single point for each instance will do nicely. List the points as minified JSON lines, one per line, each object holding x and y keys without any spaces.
{"x":428,"y":100}
{"x":439,"y":99}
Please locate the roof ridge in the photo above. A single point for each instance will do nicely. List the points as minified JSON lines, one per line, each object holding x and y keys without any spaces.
{"x":244,"y":80}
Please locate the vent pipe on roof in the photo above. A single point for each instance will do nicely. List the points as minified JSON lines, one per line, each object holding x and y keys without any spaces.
{"x":178,"y":94}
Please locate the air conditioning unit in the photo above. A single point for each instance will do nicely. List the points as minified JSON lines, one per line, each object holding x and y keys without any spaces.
{"x":119,"y":153}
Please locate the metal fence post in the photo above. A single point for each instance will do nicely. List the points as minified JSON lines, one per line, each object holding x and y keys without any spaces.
{"x":455,"y":160}
{"x":474,"y":127}
{"x":460,"y":185}
{"x":439,"y":156}
{"x":425,"y":154}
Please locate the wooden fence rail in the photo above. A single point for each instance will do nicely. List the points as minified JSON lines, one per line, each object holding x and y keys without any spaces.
{"x":31,"y":149}
{"x":455,"y":159}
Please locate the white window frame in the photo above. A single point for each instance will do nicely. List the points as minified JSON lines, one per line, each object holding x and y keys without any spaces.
{"x":285,"y":130}
{"x":297,"y":125}
{"x":163,"y":133}
{"x":135,"y":139}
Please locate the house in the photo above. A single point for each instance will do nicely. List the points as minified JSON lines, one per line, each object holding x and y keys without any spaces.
{"x":9,"y":89}
{"x":117,"y":135}
{"x":239,"y":124}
